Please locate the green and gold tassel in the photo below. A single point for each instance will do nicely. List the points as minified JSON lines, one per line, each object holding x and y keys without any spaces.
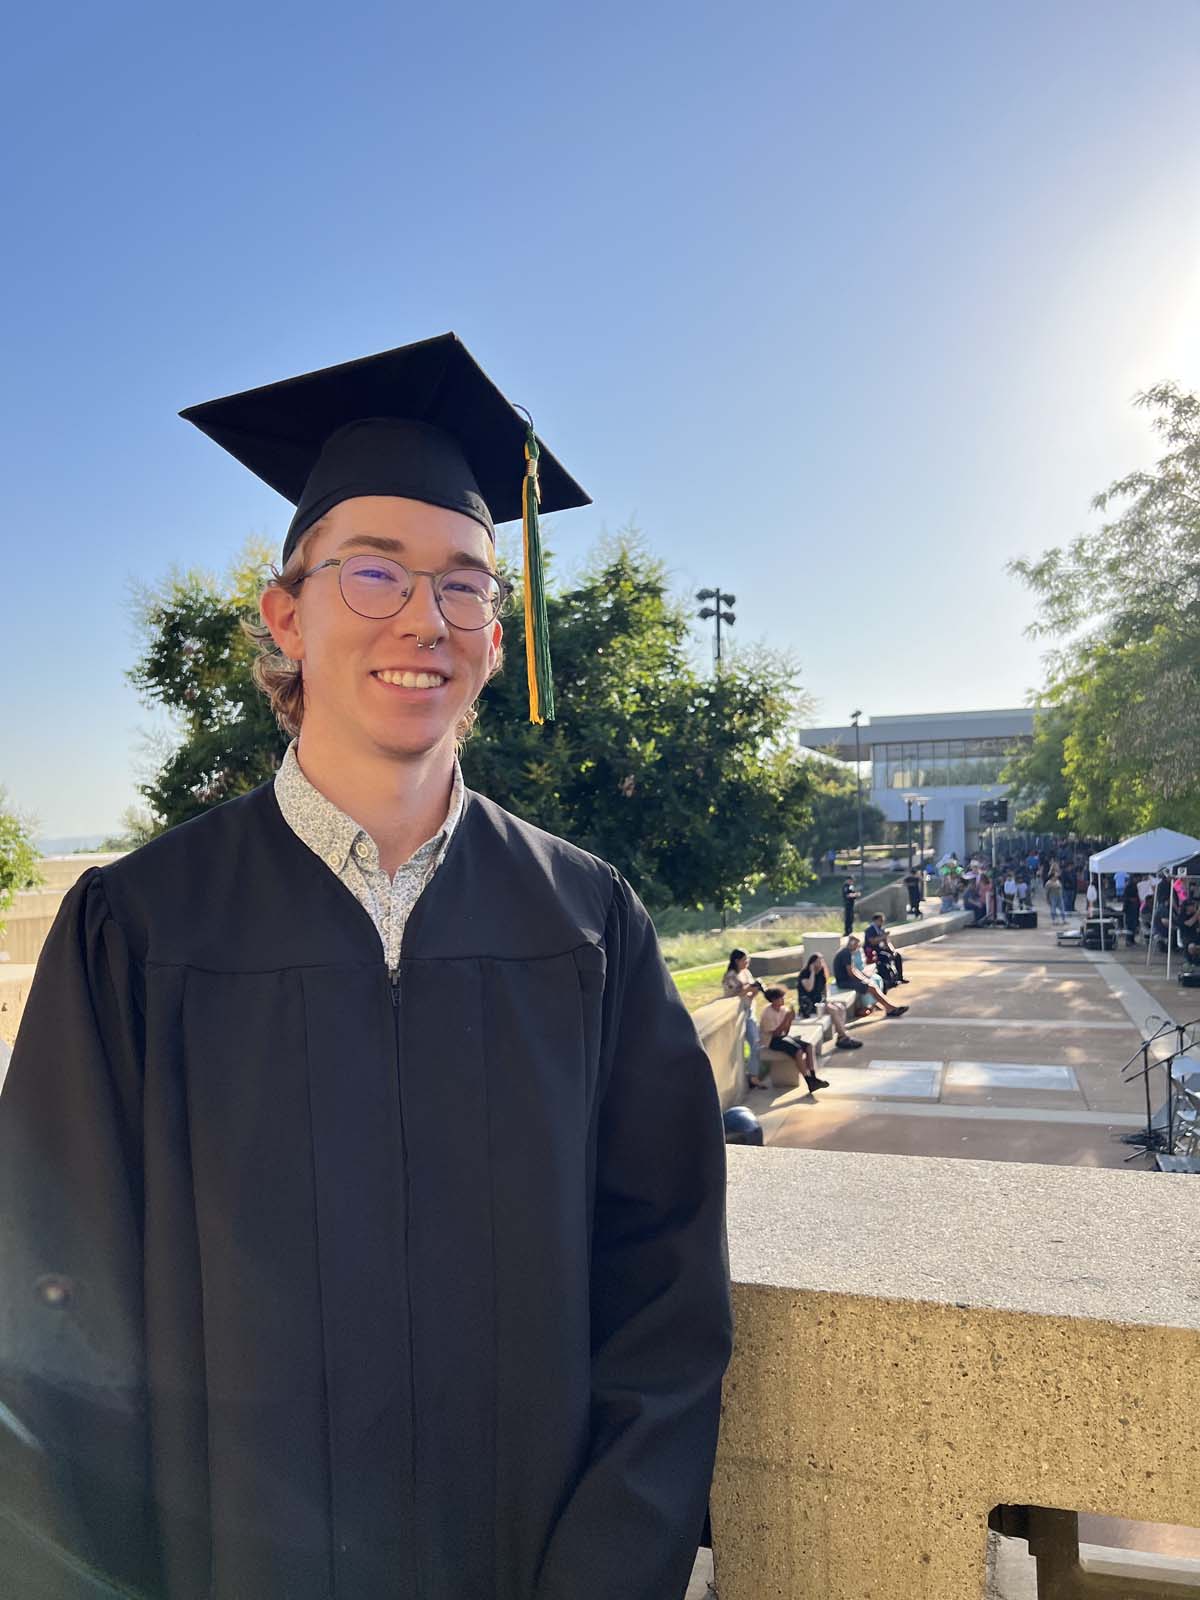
{"x":537,"y":626}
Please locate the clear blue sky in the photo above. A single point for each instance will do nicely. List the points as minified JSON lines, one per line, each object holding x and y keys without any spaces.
{"x":844,"y":306}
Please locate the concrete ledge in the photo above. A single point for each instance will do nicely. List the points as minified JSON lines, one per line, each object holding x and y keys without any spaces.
{"x":60,"y":872}
{"x":929,"y":927}
{"x":32,"y":913}
{"x":919,"y":1340}
{"x":771,"y":963}
{"x":721,"y":1031}
{"x":790,"y":958}
{"x":16,"y":978}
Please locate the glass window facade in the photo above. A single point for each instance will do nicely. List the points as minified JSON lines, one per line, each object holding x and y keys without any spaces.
{"x":940,"y":763}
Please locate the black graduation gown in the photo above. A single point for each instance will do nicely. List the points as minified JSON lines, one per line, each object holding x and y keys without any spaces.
{"x":315,"y":1284}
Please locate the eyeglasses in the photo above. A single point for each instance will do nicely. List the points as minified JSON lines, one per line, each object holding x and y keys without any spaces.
{"x":376,"y":587}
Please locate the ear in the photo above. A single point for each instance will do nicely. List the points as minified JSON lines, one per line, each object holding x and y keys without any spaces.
{"x":494,"y":643}
{"x":280,"y":610}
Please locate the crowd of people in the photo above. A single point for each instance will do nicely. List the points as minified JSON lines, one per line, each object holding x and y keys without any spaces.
{"x":997,"y":892}
{"x":1139,"y":904}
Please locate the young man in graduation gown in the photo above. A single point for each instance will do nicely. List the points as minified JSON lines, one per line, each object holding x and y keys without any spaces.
{"x":362,"y":1176}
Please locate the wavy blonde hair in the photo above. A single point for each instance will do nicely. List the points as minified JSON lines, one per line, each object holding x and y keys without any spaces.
{"x":280,"y":678}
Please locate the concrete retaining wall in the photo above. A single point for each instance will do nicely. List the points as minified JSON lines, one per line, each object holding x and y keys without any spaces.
{"x":892,"y":900}
{"x":721,"y":1031}
{"x":32,"y":913}
{"x":920,"y":1340}
{"x":790,"y":958}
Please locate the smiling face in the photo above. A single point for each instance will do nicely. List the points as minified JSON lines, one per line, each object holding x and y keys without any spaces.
{"x":368,"y":688}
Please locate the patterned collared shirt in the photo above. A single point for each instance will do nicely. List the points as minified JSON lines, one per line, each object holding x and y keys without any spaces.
{"x":353,"y":856}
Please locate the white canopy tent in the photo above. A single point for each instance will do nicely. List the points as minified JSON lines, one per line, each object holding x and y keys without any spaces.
{"x":1145,"y":852}
{"x":1159,"y":850}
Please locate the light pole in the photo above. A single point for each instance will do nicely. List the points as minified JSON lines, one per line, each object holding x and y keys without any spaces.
{"x":908,"y":805}
{"x":862,"y":869}
{"x":727,"y":617}
{"x":920,"y":799}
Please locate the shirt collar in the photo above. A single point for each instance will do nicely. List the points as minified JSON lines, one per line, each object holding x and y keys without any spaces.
{"x":334,"y":836}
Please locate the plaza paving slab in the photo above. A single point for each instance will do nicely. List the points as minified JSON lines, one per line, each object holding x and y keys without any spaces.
{"x":910,"y":1080}
{"x":1007,"y":1075}
{"x":1013,"y":1050}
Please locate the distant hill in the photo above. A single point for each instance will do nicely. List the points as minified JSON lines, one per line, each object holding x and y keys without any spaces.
{"x":70,"y":843}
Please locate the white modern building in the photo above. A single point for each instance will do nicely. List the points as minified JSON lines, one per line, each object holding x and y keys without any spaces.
{"x":953,"y":759}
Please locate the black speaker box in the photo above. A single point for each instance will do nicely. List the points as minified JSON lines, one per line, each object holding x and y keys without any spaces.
{"x":1024,"y":919}
{"x":1190,"y":980}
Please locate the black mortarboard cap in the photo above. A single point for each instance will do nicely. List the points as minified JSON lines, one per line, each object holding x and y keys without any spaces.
{"x":424,"y":421}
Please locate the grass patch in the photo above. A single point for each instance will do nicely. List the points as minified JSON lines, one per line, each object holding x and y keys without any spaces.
{"x":673,"y":920}
{"x":703,"y":984}
{"x":699,"y":987}
{"x":699,"y":949}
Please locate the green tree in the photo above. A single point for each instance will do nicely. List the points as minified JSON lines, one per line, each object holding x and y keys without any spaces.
{"x":195,"y":664}
{"x":19,"y":856}
{"x":834,"y":807}
{"x":686,"y":783}
{"x":1124,"y":689}
{"x":1040,"y":797}
{"x":137,"y":828}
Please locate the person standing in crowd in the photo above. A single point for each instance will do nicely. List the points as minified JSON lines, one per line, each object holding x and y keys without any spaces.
{"x":974,"y":900}
{"x":912,"y":882}
{"x":1054,"y":894}
{"x":1010,"y":896}
{"x":1131,"y":910}
{"x":741,"y":984}
{"x":1161,"y":919}
{"x":849,"y":897}
{"x":1070,"y":887}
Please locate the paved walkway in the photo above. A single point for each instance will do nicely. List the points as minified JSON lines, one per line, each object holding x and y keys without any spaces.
{"x":1012,"y":1051}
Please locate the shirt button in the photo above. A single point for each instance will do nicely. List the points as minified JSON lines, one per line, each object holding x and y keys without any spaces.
{"x":333,"y":860}
{"x":362,"y":848}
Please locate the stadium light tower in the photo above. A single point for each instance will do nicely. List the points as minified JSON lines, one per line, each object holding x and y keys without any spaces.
{"x":726,"y":616}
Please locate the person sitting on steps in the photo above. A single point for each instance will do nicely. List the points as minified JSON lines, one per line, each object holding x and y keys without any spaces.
{"x":811,"y":999}
{"x":846,"y":977}
{"x":774,"y":1026}
{"x":889,"y":963}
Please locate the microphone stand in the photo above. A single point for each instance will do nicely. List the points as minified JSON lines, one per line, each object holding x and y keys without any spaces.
{"x":1153,"y":1138}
